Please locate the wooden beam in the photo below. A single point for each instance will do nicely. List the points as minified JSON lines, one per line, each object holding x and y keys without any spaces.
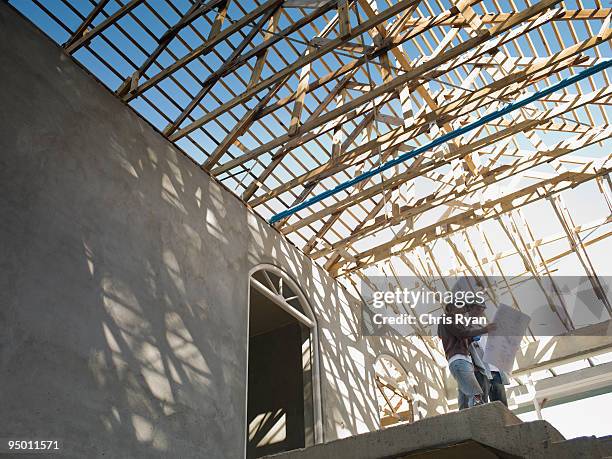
{"x":219,"y":20}
{"x":304,"y":3}
{"x":82,"y":30}
{"x":498,"y":18}
{"x":261,"y":58}
{"x":85,"y":39}
{"x":344,"y":22}
{"x":214,"y":77}
{"x":498,"y":89}
{"x":338,"y":133}
{"x":300,"y":94}
{"x":452,"y":58}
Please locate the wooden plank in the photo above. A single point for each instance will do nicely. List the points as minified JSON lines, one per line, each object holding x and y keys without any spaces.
{"x":344,"y":21}
{"x":463,"y":104}
{"x":499,"y":18}
{"x":300,"y":94}
{"x":304,"y":3}
{"x":219,"y":20}
{"x":261,"y":59}
{"x":406,"y":104}
{"x":459,"y":54}
{"x":82,"y":29}
{"x":85,"y":39}
{"x":346,"y":46}
{"x":337,"y":137}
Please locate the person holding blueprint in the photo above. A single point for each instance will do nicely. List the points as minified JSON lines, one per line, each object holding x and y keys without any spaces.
{"x":456,"y":338}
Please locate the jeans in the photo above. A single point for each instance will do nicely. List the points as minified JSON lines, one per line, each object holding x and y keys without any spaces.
{"x":468,"y":387}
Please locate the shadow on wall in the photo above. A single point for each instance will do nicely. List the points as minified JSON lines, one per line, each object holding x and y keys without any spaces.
{"x":125,"y":279}
{"x":347,"y":373}
{"x":123,"y":332}
{"x":347,"y":359}
{"x":424,"y":364}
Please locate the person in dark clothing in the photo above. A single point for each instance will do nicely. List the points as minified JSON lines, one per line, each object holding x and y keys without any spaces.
{"x":491,"y":379}
{"x":456,"y":339}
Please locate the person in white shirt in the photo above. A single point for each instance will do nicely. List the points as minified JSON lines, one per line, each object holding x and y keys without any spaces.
{"x":499,"y":379}
{"x":491,"y":379}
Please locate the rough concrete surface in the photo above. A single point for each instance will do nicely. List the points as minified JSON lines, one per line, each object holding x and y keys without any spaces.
{"x":489,"y":430}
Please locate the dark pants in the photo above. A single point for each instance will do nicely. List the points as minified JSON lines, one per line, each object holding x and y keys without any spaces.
{"x":492,"y":390}
{"x":497,"y":391}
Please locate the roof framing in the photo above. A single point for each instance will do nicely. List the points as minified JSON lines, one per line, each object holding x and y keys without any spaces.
{"x":280,"y":100}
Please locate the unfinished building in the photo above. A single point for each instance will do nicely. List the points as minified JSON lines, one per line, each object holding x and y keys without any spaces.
{"x":196,"y":194}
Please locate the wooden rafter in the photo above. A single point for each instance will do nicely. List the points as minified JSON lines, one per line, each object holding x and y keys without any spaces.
{"x":284,"y":99}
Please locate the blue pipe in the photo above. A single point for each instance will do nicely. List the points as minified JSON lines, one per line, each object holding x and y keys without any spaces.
{"x":443,"y":139}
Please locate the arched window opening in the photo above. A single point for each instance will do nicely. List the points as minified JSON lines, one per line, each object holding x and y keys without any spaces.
{"x":283,"y":396}
{"x":394,"y":394}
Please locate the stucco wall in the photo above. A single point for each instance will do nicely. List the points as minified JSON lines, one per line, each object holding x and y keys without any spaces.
{"x":124,"y":278}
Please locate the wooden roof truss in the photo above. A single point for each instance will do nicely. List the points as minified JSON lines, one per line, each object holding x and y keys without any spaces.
{"x":281,"y":100}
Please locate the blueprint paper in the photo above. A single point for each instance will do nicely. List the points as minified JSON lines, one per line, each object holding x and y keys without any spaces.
{"x":503,"y":343}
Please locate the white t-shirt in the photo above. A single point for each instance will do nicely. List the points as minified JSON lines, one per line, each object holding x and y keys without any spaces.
{"x":459,"y":357}
{"x":483,"y":344}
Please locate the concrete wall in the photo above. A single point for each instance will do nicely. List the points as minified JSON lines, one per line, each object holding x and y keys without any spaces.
{"x":124,"y":278}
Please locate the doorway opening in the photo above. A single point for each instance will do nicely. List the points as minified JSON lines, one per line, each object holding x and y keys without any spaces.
{"x":283,"y":398}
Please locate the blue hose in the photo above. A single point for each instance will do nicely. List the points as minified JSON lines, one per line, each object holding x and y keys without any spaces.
{"x":443,"y":139}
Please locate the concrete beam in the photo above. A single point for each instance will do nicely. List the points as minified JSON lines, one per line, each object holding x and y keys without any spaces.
{"x":583,"y":343}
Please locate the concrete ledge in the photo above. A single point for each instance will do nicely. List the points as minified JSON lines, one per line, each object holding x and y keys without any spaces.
{"x":587,"y":447}
{"x":605,"y":445}
{"x":491,"y":425}
{"x":488,"y":431}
